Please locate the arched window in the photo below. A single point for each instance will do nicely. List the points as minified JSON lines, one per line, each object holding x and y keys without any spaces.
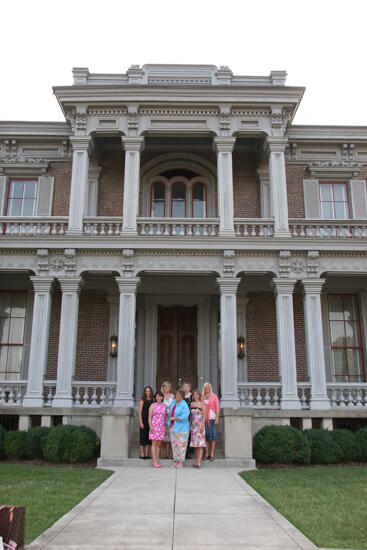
{"x":158,"y":200}
{"x":178,"y":200}
{"x":199,"y":200}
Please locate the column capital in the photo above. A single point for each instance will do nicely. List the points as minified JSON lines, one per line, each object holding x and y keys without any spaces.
{"x":132,"y":143}
{"x":71,"y":284}
{"x":80,"y":143}
{"x":276,"y":144}
{"x":127,"y":285}
{"x":224,"y":144}
{"x":42,"y":284}
{"x":312,"y":286}
{"x":228,"y":285}
{"x":283,"y":286}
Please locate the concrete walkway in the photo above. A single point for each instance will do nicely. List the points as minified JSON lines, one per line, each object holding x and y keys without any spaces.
{"x":148,"y":509}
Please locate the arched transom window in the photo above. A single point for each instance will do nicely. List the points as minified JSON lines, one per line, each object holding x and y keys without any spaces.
{"x":178,"y":197}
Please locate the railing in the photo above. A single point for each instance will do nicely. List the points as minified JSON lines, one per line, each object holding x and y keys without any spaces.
{"x":101,"y":227}
{"x":304,"y":394}
{"x":347,"y":395}
{"x":189,"y":227}
{"x":259,"y":395}
{"x":33,"y":227}
{"x":49,"y":390}
{"x":94,"y":394}
{"x":12,"y":392}
{"x":253,"y":227}
{"x":328,"y":229}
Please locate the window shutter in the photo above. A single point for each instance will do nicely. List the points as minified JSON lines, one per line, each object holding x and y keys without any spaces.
{"x":2,"y":194}
{"x":311,"y":199}
{"x":358,"y":201}
{"x":44,"y":196}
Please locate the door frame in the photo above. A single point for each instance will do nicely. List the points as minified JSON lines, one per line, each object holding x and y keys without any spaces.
{"x":151,"y":333}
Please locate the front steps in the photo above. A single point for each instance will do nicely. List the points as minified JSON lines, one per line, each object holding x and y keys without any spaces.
{"x":240,"y":464}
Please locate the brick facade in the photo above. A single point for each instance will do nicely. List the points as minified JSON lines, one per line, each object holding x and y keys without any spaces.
{"x":295,"y":176}
{"x":246,"y":190}
{"x":111,"y":184}
{"x":61,"y":171}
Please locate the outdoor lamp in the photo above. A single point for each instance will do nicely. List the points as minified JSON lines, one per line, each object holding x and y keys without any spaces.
{"x":113,"y":346}
{"x":240,"y":347}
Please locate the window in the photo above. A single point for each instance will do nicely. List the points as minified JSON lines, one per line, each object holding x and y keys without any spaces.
{"x":12,"y":322}
{"x":22,"y":196}
{"x":334,"y":201}
{"x":178,"y":202}
{"x":345,"y":336}
{"x":158,"y":200}
{"x":199,"y":200}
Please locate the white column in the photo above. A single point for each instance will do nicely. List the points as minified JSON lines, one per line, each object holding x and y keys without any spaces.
{"x":133,"y":147}
{"x":67,"y":341}
{"x":283,"y":289}
{"x":79,"y":184}
{"x":228,"y":340}
{"x":39,"y":340}
{"x":224,"y":147}
{"x":278,"y":186}
{"x":315,"y":343}
{"x":126,"y":341}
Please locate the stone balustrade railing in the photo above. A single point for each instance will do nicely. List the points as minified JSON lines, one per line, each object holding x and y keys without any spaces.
{"x":253,"y":227}
{"x":304,"y":394}
{"x":12,"y":392}
{"x":102,"y":227}
{"x":188,"y":227}
{"x":347,"y":395}
{"x":259,"y":395}
{"x":94,"y":394}
{"x":328,"y":229}
{"x":33,"y":227}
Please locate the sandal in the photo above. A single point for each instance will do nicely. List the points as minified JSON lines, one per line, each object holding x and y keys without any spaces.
{"x":211,"y":458}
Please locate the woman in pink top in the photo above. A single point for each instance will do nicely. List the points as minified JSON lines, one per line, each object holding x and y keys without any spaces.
{"x":211,"y":402}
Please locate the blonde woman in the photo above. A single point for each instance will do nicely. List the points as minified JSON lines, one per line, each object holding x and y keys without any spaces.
{"x":168,"y":397}
{"x":211,"y":403}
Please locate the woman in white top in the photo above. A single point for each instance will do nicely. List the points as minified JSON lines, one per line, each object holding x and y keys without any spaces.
{"x":168,"y":397}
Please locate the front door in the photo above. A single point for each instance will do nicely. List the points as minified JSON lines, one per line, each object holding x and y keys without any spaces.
{"x":177,"y":345}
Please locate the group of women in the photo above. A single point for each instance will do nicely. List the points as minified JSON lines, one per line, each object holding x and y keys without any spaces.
{"x":180,"y":422}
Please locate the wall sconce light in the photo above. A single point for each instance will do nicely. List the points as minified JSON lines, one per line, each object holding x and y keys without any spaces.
{"x":113,"y":346}
{"x":240,"y":347}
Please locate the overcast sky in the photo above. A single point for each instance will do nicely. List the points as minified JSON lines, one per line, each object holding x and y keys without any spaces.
{"x":320,"y":43}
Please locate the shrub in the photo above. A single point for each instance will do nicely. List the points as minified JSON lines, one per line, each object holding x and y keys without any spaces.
{"x":361,"y":442}
{"x":58,"y":443}
{"x":281,"y":444}
{"x":84,"y":445}
{"x":2,"y":436}
{"x":35,"y":441}
{"x":14,"y":443}
{"x":324,"y":450}
{"x":347,"y":443}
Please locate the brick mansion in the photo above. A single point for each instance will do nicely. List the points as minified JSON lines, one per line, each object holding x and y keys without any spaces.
{"x":178,"y":226}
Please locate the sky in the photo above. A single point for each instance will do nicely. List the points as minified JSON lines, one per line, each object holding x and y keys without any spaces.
{"x":320,"y":43}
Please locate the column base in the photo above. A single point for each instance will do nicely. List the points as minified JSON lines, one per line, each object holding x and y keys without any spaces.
{"x":33,"y":401}
{"x":290,"y":404}
{"x":124,"y":403}
{"x":76,"y":232}
{"x":229,"y":403}
{"x":128,"y":231}
{"x":281,"y":233}
{"x":320,"y":404}
{"x":62,"y":401}
{"x":227,"y":233}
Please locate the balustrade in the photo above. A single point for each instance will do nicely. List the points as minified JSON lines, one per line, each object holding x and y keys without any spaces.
{"x":12,"y":392}
{"x":347,"y":395}
{"x":33,"y":227}
{"x":265,"y":395}
{"x":330,"y":229}
{"x":102,"y":227}
{"x":94,"y":394}
{"x":304,"y":394}
{"x":253,"y":228}
{"x":189,"y":227}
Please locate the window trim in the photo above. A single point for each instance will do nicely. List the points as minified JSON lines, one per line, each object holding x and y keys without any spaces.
{"x":360,"y":348}
{"x":158,"y":179}
{"x":174,"y":181}
{"x":333,"y":183}
{"x":193,"y":182}
{"x":17,"y":344}
{"x":8,"y":198}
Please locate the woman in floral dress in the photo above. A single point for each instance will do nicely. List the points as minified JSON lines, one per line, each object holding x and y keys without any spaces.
{"x":179,"y":422}
{"x":168,"y":398}
{"x":157,"y":425}
{"x":198,"y":442}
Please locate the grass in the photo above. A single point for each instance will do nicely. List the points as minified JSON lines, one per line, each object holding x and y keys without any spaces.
{"x":47,"y":492}
{"x":329,"y":505}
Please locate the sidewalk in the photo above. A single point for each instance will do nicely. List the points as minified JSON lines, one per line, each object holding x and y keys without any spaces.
{"x":148,"y":509}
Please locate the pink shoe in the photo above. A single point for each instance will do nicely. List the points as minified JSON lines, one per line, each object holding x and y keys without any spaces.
{"x":157,"y":466}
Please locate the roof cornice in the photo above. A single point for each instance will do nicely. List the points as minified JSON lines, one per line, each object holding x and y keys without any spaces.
{"x":34,"y":129}
{"x":327,"y":133}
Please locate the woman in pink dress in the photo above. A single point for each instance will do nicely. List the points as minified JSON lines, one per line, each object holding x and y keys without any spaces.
{"x":197,"y":409}
{"x":157,"y":425}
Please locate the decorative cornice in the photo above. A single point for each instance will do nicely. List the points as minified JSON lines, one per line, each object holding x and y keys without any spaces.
{"x":334,"y":169}
{"x":228,"y":285}
{"x":21,"y":166}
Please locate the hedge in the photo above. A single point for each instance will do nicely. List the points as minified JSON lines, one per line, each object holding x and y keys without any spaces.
{"x":324,"y":449}
{"x":14,"y":444}
{"x":361,"y":442}
{"x":282,"y":444}
{"x":35,"y":442}
{"x":71,"y":444}
{"x":347,"y":443}
{"x":2,"y":437}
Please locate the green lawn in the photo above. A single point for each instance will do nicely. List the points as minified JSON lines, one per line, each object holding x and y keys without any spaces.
{"x":329,"y":505}
{"x":47,"y":492}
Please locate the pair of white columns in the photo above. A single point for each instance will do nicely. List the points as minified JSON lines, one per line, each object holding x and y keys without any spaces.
{"x":80,"y":183}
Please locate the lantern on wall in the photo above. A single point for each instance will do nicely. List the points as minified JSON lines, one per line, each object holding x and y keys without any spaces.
{"x":113,"y":346}
{"x":240,"y":347}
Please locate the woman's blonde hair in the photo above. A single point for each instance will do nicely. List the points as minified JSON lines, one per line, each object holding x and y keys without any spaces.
{"x":208,"y":385}
{"x":166,"y":383}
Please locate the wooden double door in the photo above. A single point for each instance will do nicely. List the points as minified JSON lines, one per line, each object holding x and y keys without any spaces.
{"x":177,"y":345}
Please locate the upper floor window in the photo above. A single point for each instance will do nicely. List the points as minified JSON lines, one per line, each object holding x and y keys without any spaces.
{"x":178,"y":197}
{"x":12,"y":325}
{"x":346,"y":338}
{"x":22,"y":196}
{"x":334,"y":201}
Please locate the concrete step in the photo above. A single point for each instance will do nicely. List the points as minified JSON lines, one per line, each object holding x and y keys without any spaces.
{"x":240,"y":464}
{"x":134,"y":452}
